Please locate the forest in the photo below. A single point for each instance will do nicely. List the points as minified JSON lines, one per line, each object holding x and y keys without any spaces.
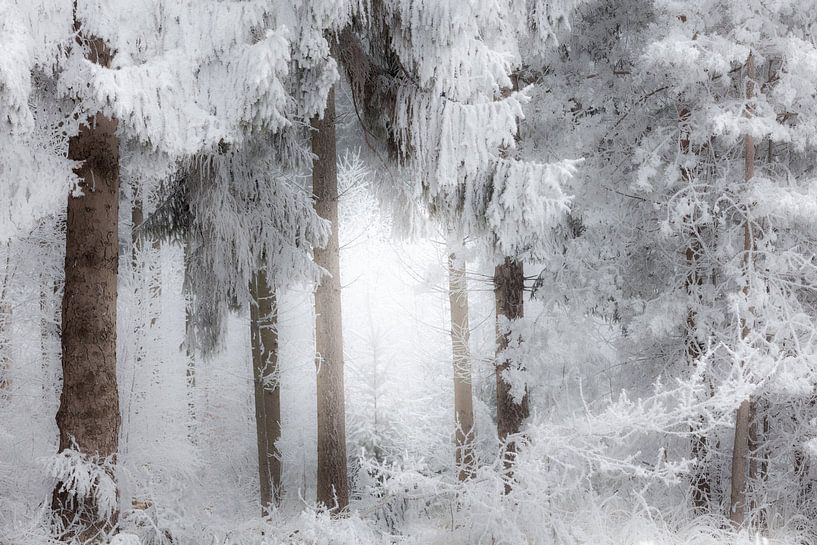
{"x":408,"y":272}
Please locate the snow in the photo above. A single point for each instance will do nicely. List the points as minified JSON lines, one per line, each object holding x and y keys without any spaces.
{"x":603,"y":143}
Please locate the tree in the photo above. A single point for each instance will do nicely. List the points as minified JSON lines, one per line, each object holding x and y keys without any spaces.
{"x":740,"y":447}
{"x":5,"y":323}
{"x":216,"y":104}
{"x":442,"y":96}
{"x":333,"y":485}
{"x":463,"y":397}
{"x":88,"y":416}
{"x":509,"y":289}
{"x":264,"y":335}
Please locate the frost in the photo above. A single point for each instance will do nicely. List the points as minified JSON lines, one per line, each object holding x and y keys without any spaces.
{"x":528,"y":200}
{"x":87,"y":479}
{"x":125,"y":539}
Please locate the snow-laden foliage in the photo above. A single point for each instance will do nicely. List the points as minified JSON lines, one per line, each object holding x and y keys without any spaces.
{"x":184,"y":78}
{"x":673,"y":267}
{"x":244,"y":215}
{"x":557,"y":476}
{"x":438,"y":82}
{"x":527,"y":200}
{"x":85,"y":478}
{"x":658,"y":245}
{"x":35,"y":172}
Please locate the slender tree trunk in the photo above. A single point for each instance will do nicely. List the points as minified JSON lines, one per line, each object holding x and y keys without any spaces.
{"x":155,"y":287}
{"x":264,"y":334}
{"x":740,"y":450}
{"x":5,"y":347}
{"x":801,"y":460}
{"x":88,"y":416}
{"x":189,"y":352}
{"x":758,"y":457}
{"x":509,"y":288}
{"x":333,"y":487}
{"x":699,"y":480}
{"x":463,"y":396}
{"x":137,"y":218}
{"x":509,"y":285}
{"x":189,"y":329}
{"x":5,"y":326}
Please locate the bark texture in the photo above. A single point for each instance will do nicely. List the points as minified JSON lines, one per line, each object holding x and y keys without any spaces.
{"x":137,"y":218}
{"x":5,"y":347}
{"x":5,"y":327}
{"x":333,"y":487}
{"x":700,"y":477}
{"x":740,"y":450}
{"x":88,"y":416}
{"x":463,"y":395}
{"x":264,"y":334}
{"x":509,"y":286}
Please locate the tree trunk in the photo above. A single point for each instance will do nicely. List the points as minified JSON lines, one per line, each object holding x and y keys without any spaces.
{"x":740,"y":450}
{"x":463,"y":397}
{"x":189,"y":328}
{"x":189,"y":352}
{"x":740,"y":454}
{"x":137,"y":218}
{"x":88,"y":416}
{"x":5,"y":327}
{"x":155,"y":286}
{"x":264,"y":334}
{"x":509,"y":286}
{"x":333,"y":487}
{"x":5,"y":347}
{"x":699,"y":479}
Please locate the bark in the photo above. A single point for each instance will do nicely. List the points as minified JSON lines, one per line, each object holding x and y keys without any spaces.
{"x":155,"y":280}
{"x":264,"y":334}
{"x":700,"y":478}
{"x":155,"y":287}
{"x":801,"y":461}
{"x":137,"y":218}
{"x":5,"y":347}
{"x":509,"y":285}
{"x":189,"y":328}
{"x":5,"y":327}
{"x":740,"y":450}
{"x":463,"y":396}
{"x":758,"y":457}
{"x":740,"y":454}
{"x":88,"y":416}
{"x":333,"y":487}
{"x":190,"y":353}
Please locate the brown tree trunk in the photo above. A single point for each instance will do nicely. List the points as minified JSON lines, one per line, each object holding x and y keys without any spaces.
{"x":333,"y":486}
{"x":801,"y":461}
{"x":5,"y":327}
{"x":189,"y":328}
{"x":189,"y":352}
{"x":463,"y":396}
{"x":264,"y":334}
{"x":155,"y":288}
{"x":137,"y":217}
{"x":740,"y":455}
{"x":509,"y":286}
{"x":5,"y":347}
{"x":88,"y":416}
{"x":699,"y":479}
{"x":740,"y":450}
